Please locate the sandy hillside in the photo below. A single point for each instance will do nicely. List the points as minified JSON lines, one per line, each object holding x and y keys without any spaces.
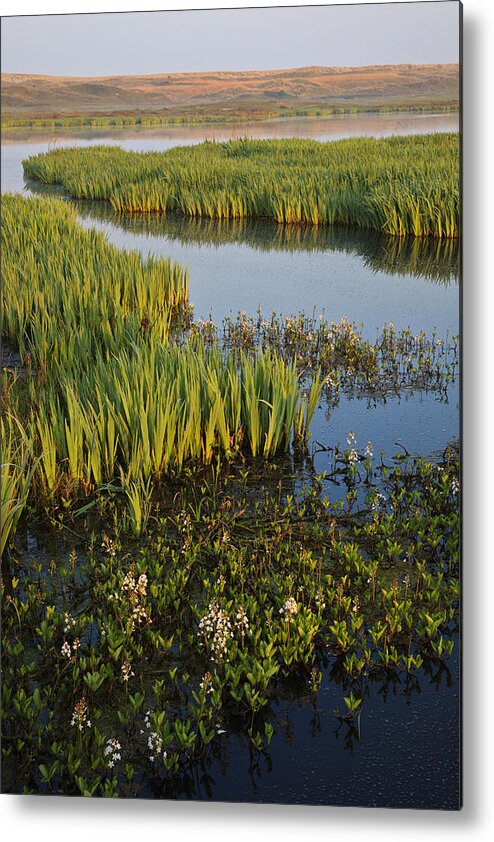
{"x":168,"y":92}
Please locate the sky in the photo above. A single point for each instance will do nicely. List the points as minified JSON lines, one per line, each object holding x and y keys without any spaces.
{"x":228,"y":39}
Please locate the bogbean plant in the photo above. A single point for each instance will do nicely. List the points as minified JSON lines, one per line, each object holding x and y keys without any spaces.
{"x":397,"y":360}
{"x":127,"y":666}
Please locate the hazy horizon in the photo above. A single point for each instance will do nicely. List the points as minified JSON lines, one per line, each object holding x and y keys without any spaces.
{"x":231,"y":40}
{"x":216,"y":70}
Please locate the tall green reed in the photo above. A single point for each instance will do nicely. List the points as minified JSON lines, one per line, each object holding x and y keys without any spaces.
{"x":399,"y":185}
{"x":18,"y":467}
{"x":110,"y":392}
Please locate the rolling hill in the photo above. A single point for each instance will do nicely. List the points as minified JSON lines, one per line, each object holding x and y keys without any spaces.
{"x":24,"y":95}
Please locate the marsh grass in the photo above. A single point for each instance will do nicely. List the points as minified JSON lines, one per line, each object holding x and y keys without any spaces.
{"x":18,"y":467}
{"x":150,"y":410}
{"x":400,"y":185}
{"x":68,"y":293}
{"x":114,"y":394}
{"x":236,"y":116}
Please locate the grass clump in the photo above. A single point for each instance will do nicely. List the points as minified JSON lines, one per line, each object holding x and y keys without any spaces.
{"x":67,"y":292}
{"x":109,"y":392}
{"x":399,"y":185}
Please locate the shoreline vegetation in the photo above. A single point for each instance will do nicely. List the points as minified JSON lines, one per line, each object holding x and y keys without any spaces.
{"x":234,"y":116}
{"x":399,"y":185}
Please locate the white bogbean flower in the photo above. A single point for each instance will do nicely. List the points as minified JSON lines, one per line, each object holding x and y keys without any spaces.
{"x":126,"y":670}
{"x":79,"y":715}
{"x":112,"y":751}
{"x":369,"y":450}
{"x":216,"y":629}
{"x":289,"y":609}
{"x":66,"y":650}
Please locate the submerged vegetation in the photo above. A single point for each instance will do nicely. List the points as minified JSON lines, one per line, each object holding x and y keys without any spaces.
{"x":399,"y":185}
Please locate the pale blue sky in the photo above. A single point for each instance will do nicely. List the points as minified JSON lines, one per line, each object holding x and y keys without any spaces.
{"x":231,"y":39}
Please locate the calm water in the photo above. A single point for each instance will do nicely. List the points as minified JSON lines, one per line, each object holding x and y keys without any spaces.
{"x":407,"y":754}
{"x":343,"y":275}
{"x":164,"y":137}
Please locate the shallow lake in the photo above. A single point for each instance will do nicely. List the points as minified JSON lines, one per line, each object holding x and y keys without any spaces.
{"x":407,"y":753}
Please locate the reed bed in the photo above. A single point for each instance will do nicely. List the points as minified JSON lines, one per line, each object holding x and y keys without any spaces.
{"x":111,"y":395}
{"x":399,"y":185}
{"x":150,"y":410}
{"x":67,"y":292}
{"x":119,"y":390}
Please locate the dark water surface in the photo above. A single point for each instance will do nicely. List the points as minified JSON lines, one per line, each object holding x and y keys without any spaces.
{"x":403,"y":754}
{"x":407,"y":751}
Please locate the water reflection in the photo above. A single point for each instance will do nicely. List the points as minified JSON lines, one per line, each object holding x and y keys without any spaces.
{"x":314,"y":758}
{"x":335,"y":127}
{"x":433,"y":260}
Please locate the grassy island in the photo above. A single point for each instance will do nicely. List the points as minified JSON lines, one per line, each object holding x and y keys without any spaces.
{"x":400,"y":185}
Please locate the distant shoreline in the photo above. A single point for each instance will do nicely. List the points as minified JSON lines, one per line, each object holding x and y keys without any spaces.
{"x":153,"y":120}
{"x":168,"y":99}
